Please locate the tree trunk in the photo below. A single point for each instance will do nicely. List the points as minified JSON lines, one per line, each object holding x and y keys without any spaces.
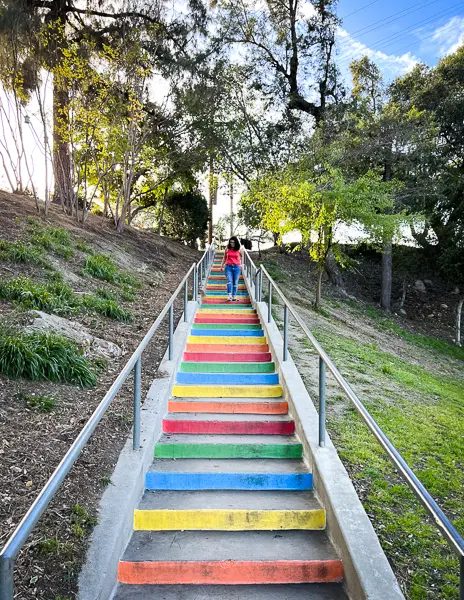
{"x":385,"y":294}
{"x":317,"y":302}
{"x":333,"y":270}
{"x":61,"y":155}
{"x":458,"y":321}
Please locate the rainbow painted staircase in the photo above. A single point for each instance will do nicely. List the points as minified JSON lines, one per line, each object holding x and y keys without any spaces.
{"x":228,"y":508}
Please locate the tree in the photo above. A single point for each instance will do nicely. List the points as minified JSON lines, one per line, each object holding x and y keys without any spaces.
{"x":313,"y":201}
{"x":291,"y":46}
{"x":186,"y":216}
{"x":66,"y":22}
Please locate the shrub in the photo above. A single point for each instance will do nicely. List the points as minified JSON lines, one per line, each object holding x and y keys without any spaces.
{"x":44,"y":356}
{"x":55,"y":296}
{"x":106,"y":294}
{"x":52,"y":238}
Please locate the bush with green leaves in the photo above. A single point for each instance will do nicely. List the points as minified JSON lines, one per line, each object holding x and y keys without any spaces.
{"x":103,"y":267}
{"x":108,"y":308}
{"x":44,"y":356}
{"x":56,"y":239}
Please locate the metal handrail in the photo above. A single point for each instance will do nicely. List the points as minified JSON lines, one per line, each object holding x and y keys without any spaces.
{"x":454,"y":539}
{"x":38,"y":507}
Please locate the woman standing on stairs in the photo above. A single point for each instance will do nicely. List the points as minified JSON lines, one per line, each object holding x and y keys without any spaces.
{"x":231,"y":265}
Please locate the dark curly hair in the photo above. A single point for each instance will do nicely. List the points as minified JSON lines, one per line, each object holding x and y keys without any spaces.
{"x":237,"y":243}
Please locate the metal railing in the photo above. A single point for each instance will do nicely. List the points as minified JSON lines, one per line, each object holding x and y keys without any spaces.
{"x":255,"y":276}
{"x":18,"y":538}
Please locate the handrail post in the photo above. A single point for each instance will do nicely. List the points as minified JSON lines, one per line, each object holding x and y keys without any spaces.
{"x":171,"y":331}
{"x":322,"y":369}
{"x":185,"y":300}
{"x":6,"y":578}
{"x":137,"y":401}
{"x":285,"y":352}
{"x":194,"y":292}
{"x":260,"y":286}
{"x":269,"y":306}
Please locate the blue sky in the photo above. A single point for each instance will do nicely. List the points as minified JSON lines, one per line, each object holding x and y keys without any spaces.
{"x":397,"y":34}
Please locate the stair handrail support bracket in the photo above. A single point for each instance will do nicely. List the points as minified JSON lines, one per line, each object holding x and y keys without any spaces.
{"x":454,"y":539}
{"x":17,"y":539}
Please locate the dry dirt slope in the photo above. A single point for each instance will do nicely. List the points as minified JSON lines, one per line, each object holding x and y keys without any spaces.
{"x":32,"y":442}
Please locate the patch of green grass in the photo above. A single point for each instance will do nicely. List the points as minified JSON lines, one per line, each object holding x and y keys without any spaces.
{"x":108,"y":308}
{"x":52,"y":238}
{"x":21,"y":252}
{"x":81,"y":521}
{"x":106,"y":294}
{"x":54,"y":546}
{"x":38,"y":402}
{"x":103,"y":267}
{"x":423,"y":417}
{"x":84,"y":247}
{"x":43,"y":356}
{"x":59,"y":298}
{"x":424,"y":341}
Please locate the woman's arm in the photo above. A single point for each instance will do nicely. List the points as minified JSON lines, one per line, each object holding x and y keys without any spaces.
{"x":224,"y":260}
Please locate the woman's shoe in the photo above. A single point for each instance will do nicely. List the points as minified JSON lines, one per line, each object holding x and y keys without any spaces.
{"x":230,"y":299}
{"x":234,"y":300}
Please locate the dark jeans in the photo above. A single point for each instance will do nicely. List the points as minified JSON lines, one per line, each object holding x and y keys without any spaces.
{"x":232,"y":273}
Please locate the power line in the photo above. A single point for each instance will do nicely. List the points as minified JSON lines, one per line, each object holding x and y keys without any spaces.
{"x":393,"y":38}
{"x":397,"y":15}
{"x":359,"y":9}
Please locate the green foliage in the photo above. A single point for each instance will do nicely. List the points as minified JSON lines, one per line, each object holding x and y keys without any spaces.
{"x":55,"y":546}
{"x":55,"y":297}
{"x":84,"y":247}
{"x":51,"y":238}
{"x":103,"y":267}
{"x":59,"y":298}
{"x":81,"y":521}
{"x":21,"y":252}
{"x":108,"y":308}
{"x":43,"y":356}
{"x":38,"y":402}
{"x":106,"y":294}
{"x":186,"y":216}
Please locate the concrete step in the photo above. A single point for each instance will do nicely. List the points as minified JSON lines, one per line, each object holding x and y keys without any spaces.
{"x":226,"y":319}
{"x":227,"y":332}
{"x":228,"y":424}
{"x":228,"y":326}
{"x":311,"y":591}
{"x":223,"y":367}
{"x":207,"y":474}
{"x":242,"y":406}
{"x":228,"y":446}
{"x":226,"y":391}
{"x":230,"y":418}
{"x":259,"y":353}
{"x":228,"y":378}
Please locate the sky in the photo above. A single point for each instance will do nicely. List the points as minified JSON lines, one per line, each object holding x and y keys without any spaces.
{"x":399,"y":33}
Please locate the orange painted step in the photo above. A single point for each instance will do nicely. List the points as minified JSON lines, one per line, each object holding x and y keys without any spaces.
{"x":230,"y":572}
{"x":244,"y":408}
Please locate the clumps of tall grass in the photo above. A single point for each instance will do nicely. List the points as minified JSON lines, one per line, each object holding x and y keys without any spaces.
{"x":44,"y":356}
{"x":21,"y":252}
{"x":51,"y":238}
{"x":58,"y":297}
{"x":103,"y":267}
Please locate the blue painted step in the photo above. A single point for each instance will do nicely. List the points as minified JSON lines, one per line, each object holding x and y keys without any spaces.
{"x":230,"y":332}
{"x":228,"y":481}
{"x":228,"y":378}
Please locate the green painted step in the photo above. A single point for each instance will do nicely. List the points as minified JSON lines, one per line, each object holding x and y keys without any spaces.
{"x":228,"y":450}
{"x":226,"y":326}
{"x":212,"y":367}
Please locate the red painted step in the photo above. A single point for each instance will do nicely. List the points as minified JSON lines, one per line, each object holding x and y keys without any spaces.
{"x":229,"y":427}
{"x":235,"y":348}
{"x":226,"y":319}
{"x":228,"y":356}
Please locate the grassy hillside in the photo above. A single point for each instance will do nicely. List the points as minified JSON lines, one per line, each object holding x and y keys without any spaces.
{"x":114,"y":285}
{"x":413,"y":385}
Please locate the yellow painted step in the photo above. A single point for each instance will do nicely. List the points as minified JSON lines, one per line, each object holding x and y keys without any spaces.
{"x":227,"y":391}
{"x":228,"y":520}
{"x":226,"y":340}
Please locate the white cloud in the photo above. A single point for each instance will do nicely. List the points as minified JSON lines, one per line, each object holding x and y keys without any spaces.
{"x":391,"y":65}
{"x":449,"y":37}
